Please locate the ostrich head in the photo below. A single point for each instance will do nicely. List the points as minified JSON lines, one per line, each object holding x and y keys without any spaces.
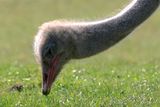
{"x":52,"y":52}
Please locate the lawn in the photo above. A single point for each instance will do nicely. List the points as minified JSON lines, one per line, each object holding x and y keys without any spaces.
{"x":127,"y":74}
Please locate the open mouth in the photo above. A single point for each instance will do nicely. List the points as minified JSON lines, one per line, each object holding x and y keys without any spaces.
{"x":49,"y":77}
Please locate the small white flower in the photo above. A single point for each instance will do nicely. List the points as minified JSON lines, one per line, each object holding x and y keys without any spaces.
{"x":113,"y":71}
{"x":27,"y":79}
{"x":74,"y":70}
{"x":143,"y":70}
{"x":85,"y":79}
{"x":9,"y":80}
{"x":76,"y":77}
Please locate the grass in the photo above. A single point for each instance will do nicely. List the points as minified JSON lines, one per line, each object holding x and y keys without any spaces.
{"x":128,"y":74}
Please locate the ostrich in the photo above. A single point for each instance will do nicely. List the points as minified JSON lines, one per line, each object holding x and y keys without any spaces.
{"x":57,"y":42}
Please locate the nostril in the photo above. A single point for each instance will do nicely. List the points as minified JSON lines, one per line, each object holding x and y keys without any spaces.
{"x":45,"y":76}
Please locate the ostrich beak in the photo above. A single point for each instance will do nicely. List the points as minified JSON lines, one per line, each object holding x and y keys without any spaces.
{"x":50,"y":75}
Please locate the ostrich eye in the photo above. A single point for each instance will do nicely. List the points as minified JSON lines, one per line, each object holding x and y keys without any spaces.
{"x":49,"y":51}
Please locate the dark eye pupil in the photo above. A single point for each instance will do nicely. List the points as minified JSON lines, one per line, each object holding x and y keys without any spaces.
{"x":49,"y":51}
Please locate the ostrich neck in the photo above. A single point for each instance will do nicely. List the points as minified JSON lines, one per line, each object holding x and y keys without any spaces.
{"x":95,"y":37}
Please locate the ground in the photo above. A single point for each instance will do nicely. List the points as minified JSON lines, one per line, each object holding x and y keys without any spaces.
{"x":127,"y":74}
